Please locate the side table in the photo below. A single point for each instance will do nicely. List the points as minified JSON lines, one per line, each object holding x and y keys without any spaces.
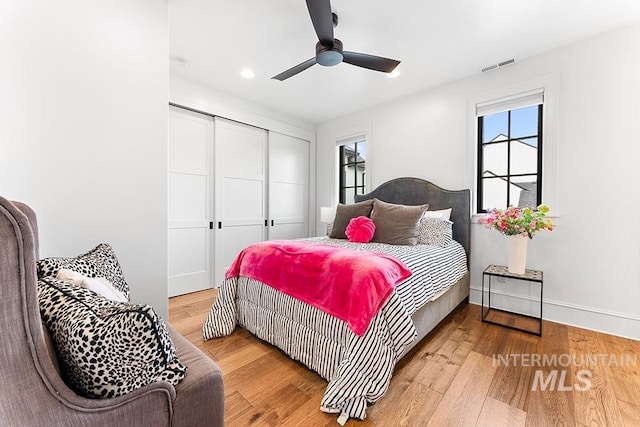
{"x":488,"y":312}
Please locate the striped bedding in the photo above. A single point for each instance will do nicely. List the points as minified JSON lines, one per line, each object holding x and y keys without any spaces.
{"x":358,"y":368}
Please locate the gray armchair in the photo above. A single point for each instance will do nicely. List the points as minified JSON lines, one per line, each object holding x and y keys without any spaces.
{"x":32,"y":392}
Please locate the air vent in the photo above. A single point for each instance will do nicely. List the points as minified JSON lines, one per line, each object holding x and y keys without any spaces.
{"x":498,"y":65}
{"x":507,"y":62}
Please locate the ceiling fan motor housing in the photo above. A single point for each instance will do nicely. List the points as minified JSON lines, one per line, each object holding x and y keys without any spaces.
{"x":329,"y":50}
{"x":329,"y":55}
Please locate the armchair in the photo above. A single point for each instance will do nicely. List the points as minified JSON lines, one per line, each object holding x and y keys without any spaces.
{"x":31,"y":388}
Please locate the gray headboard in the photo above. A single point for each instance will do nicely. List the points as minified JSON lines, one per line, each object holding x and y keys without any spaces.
{"x":416,"y":191}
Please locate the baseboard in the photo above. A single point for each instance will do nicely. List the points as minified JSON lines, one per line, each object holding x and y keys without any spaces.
{"x":595,"y":319}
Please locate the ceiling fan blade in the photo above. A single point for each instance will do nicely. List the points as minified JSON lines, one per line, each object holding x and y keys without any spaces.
{"x":372,"y":62}
{"x":295,"y":70}
{"x":320,"y":12}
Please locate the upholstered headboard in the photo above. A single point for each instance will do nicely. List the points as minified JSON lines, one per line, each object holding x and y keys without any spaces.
{"x":416,"y":191}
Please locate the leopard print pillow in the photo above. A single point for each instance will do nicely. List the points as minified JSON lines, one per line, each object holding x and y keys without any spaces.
{"x":106,"y":348}
{"x":98,"y":262}
{"x":434,"y":231}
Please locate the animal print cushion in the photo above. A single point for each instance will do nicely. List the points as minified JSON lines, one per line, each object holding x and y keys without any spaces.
{"x":106,"y":348}
{"x":434,"y":231}
{"x":98,"y":262}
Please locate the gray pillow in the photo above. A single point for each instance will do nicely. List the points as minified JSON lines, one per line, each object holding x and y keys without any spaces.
{"x":396,"y":224}
{"x":344,"y":214}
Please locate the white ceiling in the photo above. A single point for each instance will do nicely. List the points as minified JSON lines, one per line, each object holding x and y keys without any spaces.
{"x":438,"y":41}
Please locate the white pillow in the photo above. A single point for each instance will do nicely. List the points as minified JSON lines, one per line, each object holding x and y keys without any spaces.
{"x":99,"y":285}
{"x":443,"y":213}
{"x":70,"y":276}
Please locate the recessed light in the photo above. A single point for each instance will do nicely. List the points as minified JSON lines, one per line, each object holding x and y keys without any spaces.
{"x":247,"y":73}
{"x":392,"y":75}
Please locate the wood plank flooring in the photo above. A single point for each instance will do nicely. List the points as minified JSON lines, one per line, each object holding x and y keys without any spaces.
{"x":465,"y":373}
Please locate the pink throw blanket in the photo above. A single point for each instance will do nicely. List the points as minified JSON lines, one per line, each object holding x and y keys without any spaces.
{"x":350,"y":285}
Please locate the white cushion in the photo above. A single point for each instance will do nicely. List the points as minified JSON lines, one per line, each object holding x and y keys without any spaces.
{"x":99,"y":285}
{"x":442,"y":213}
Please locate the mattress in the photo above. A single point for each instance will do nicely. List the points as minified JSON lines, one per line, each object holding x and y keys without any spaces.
{"x":358,"y":368}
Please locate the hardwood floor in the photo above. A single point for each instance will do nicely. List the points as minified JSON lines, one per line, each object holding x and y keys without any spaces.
{"x":462,"y":374}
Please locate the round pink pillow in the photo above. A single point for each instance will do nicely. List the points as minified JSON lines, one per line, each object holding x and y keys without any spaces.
{"x":360,"y":230}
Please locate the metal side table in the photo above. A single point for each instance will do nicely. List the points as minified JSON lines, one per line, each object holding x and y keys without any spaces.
{"x":534,"y":276}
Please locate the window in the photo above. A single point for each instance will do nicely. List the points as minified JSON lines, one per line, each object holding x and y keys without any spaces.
{"x":509,"y":171}
{"x":352,"y":170}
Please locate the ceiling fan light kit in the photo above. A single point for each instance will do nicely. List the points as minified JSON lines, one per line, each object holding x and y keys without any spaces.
{"x":329,"y":50}
{"x":329,"y":56}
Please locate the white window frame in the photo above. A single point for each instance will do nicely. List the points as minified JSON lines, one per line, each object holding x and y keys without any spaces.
{"x":550,"y":85}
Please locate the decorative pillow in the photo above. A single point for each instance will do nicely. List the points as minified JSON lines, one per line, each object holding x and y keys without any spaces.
{"x":98,"y":262}
{"x":434,"y":231}
{"x":344,"y":214}
{"x":442,"y":213}
{"x":396,"y":224}
{"x":106,"y":348}
{"x":360,"y":229}
{"x":99,"y":285}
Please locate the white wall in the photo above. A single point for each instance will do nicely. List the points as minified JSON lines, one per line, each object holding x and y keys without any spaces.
{"x":591,"y":261}
{"x":193,"y":95}
{"x":83,"y":129}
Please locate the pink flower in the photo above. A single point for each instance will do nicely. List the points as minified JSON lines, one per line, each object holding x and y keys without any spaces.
{"x":515,"y":221}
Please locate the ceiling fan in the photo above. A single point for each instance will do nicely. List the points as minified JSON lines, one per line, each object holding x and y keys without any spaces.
{"x":329,"y":50}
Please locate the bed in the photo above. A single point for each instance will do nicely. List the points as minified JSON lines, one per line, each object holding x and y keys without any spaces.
{"x":359,"y":367}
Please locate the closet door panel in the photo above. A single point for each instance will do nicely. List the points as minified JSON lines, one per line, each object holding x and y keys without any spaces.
{"x":288,"y":187}
{"x":288,"y":201}
{"x":237,"y":238}
{"x":190,"y":158}
{"x":240,"y":159}
{"x":186,"y":196}
{"x":189,"y":140}
{"x":239,"y":200}
{"x":242,"y":151}
{"x":187,"y":251}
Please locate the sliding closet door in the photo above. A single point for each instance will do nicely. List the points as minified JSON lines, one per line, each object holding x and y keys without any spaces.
{"x":190,"y":198}
{"x":288,"y":187}
{"x":240,"y":190}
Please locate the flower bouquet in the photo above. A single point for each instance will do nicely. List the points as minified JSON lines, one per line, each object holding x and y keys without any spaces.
{"x":516,"y":221}
{"x":518,"y":224}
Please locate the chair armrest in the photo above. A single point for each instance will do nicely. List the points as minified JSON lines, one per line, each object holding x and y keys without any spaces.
{"x":149,"y":405}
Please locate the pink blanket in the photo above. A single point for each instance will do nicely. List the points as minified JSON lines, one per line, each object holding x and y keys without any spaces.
{"x":350,"y":285}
